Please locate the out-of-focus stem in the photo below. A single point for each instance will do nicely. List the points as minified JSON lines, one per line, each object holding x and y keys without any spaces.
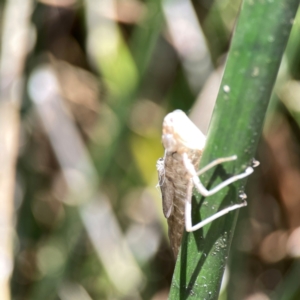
{"x":189,"y":41}
{"x":13,"y":52}
{"x":9,"y":129}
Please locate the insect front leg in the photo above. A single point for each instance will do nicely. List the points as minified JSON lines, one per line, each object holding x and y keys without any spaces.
{"x":198,"y":184}
{"x":216,"y":162}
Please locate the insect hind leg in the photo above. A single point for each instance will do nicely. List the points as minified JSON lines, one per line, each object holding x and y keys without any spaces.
{"x":188,"y":215}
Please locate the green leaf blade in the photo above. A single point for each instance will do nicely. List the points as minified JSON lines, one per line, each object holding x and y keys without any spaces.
{"x":257,"y":47}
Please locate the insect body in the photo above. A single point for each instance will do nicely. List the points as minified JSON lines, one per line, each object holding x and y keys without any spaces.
{"x":184,"y":144}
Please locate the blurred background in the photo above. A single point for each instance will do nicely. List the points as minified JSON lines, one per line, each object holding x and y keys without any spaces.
{"x":84,"y":87}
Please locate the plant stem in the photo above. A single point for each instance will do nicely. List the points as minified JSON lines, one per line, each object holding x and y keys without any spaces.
{"x":257,"y":47}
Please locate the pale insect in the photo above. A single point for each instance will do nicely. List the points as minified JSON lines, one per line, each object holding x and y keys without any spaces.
{"x":184,"y":144}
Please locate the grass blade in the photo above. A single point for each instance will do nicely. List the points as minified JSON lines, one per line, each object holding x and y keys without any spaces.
{"x":257,"y":47}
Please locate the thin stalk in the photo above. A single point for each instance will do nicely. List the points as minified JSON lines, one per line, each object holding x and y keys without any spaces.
{"x":257,"y":47}
{"x":14,"y":42}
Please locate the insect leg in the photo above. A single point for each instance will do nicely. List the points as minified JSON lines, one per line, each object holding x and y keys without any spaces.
{"x":200,"y":187}
{"x":188,"y":215}
{"x":188,"y":206}
{"x":216,"y":162}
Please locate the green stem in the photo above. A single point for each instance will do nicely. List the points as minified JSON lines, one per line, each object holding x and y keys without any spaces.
{"x":257,"y":47}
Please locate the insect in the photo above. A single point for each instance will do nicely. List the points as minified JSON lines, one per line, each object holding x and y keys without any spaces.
{"x":184,"y":144}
